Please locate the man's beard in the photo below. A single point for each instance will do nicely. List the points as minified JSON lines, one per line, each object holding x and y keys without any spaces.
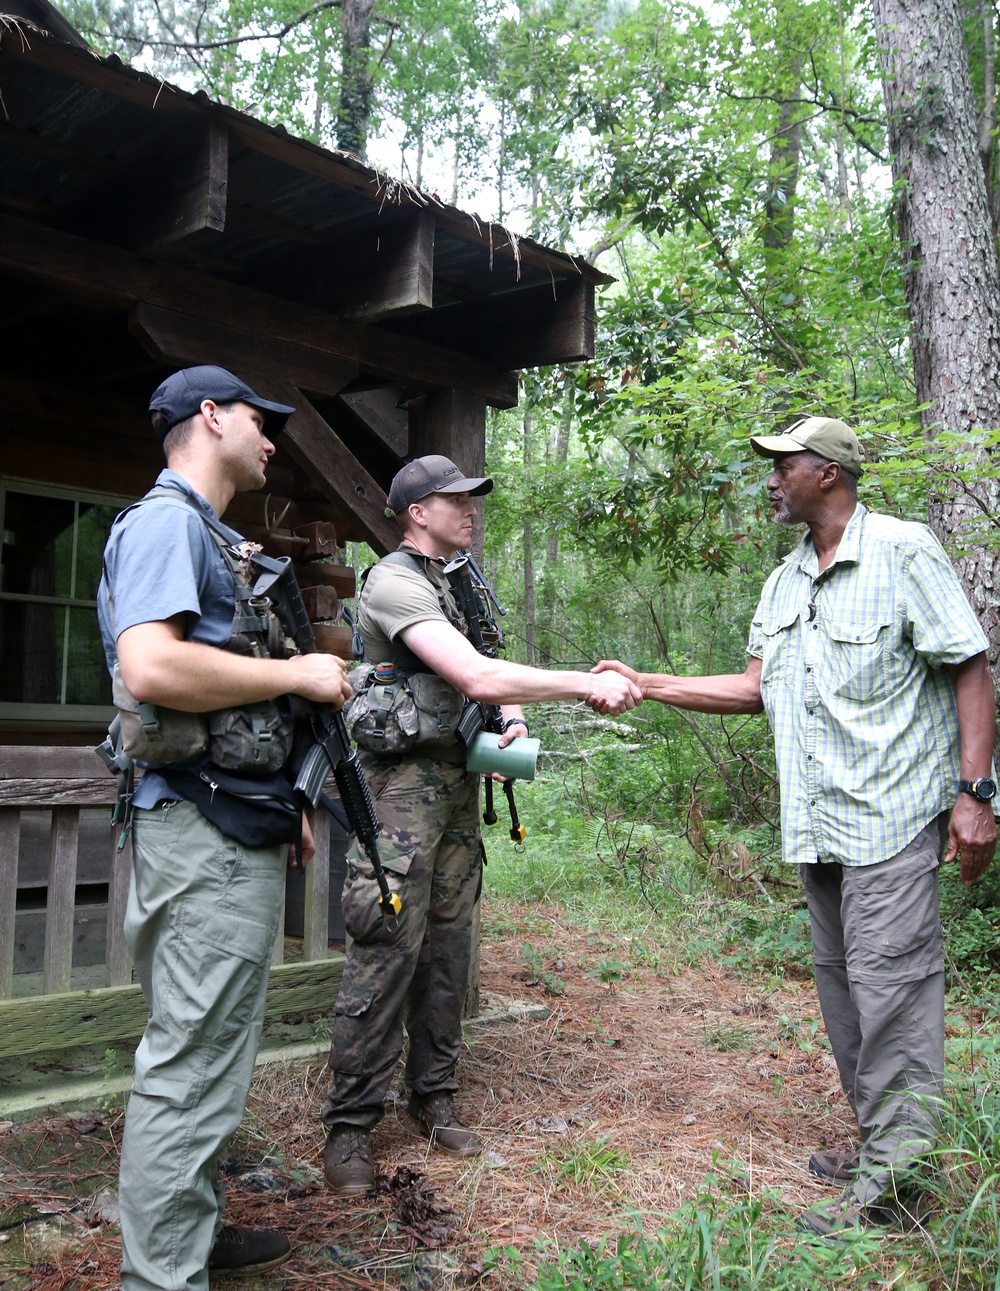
{"x":781,"y":513}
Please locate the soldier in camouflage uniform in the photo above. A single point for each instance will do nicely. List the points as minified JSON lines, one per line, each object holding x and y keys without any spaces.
{"x":417,"y":970}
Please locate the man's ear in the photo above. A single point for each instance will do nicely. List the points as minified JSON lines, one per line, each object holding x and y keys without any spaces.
{"x":830,"y":474}
{"x":417,"y":515}
{"x":210,"y":411}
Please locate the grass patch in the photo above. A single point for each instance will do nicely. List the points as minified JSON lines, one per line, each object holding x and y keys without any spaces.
{"x":712,"y":1243}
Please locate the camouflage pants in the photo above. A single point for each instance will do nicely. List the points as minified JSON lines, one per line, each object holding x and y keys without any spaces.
{"x":418,"y":972}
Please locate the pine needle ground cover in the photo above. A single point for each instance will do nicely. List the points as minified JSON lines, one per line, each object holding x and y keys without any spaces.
{"x":652,"y":1129}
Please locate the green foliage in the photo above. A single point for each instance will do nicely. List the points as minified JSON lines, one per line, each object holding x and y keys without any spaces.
{"x":109,"y":1098}
{"x":713,"y":1242}
{"x":584,"y":1164}
{"x":767,"y":938}
{"x":971,"y":919}
{"x":963,"y":1232}
{"x":730,"y":1039}
{"x":609,"y":972}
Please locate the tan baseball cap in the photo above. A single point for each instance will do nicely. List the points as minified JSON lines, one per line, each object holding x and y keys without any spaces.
{"x":824,"y":436}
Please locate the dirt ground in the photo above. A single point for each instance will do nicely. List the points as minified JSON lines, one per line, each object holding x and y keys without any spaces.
{"x":623,"y":1098}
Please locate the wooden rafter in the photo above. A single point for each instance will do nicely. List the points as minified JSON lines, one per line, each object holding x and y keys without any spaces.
{"x":108,"y":275}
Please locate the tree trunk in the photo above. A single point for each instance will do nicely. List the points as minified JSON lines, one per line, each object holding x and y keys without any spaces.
{"x":951,"y":274}
{"x":529,"y":555}
{"x":783,"y":168}
{"x":356,"y":79}
{"x":560,"y":456}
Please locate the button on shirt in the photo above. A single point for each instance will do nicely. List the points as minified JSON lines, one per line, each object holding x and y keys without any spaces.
{"x":854,"y":686}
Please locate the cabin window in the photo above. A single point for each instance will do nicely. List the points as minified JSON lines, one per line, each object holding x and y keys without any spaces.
{"x":51,"y":659}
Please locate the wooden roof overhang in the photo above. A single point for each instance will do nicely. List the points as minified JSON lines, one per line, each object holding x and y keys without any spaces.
{"x":143,"y":227}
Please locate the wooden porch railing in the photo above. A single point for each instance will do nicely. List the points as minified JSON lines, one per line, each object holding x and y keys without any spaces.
{"x":68,"y":781}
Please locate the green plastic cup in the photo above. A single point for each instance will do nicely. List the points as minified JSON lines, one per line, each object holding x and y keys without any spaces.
{"x":516,"y":762}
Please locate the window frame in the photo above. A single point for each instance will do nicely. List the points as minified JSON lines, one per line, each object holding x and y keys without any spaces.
{"x":68,"y":716}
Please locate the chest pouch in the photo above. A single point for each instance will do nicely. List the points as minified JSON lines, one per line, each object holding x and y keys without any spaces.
{"x":394,"y":714}
{"x":254,"y":739}
{"x":382,"y":716}
{"x":155,"y":735}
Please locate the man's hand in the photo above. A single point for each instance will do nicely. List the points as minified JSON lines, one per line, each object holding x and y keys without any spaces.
{"x":613,"y":693}
{"x":321,"y":678}
{"x":299,"y":857}
{"x":972,"y":836}
{"x":616,"y":665}
{"x":517,"y":730}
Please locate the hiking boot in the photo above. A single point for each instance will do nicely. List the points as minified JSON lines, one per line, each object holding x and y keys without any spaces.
{"x":841,"y":1217}
{"x":247,"y":1250}
{"x":347,"y":1161}
{"x":841,"y":1167}
{"x":436,"y":1116}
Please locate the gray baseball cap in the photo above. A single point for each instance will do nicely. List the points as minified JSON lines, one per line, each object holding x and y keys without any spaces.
{"x":824,"y":436}
{"x":432,"y":474}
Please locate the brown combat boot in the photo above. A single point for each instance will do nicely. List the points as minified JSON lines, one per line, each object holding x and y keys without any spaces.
{"x":347,"y":1161}
{"x":839,"y":1166}
{"x":436,"y":1116}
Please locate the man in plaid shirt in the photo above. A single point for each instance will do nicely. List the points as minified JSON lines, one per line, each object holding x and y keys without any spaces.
{"x":871,"y":667}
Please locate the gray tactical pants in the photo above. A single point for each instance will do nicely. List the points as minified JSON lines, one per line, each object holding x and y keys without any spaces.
{"x":419,"y":972}
{"x":201,"y":921}
{"x":879,"y":962}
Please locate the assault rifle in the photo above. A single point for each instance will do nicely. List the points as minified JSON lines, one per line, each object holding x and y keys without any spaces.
{"x":332,"y":750}
{"x":475,"y":596}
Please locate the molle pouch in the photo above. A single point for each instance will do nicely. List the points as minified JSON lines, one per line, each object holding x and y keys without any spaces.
{"x":155,"y":735}
{"x":439,"y":707}
{"x":382,"y":717}
{"x":254,"y":740}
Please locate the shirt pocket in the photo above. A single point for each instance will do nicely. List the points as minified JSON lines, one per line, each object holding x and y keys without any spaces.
{"x":776,"y":628}
{"x":858,"y":655}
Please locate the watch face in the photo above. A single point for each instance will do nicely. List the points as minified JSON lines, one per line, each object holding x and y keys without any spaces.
{"x":985,"y":790}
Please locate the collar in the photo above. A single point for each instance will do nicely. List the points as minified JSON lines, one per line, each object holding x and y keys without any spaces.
{"x":803,"y":554}
{"x":438,"y":561}
{"x":173,"y":480}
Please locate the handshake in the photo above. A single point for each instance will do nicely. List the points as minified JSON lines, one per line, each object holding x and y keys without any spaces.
{"x":614,"y":688}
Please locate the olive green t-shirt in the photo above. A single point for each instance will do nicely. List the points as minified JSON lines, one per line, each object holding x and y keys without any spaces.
{"x":397,"y":596}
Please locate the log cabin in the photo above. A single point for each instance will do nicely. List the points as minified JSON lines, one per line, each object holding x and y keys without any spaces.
{"x":144,"y":228}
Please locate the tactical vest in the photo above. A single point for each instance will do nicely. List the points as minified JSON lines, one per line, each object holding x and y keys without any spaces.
{"x":414,"y":708}
{"x":254,"y":739}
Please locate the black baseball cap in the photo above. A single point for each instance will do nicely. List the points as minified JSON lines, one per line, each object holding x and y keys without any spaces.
{"x":432,"y":474}
{"x":181,"y":395}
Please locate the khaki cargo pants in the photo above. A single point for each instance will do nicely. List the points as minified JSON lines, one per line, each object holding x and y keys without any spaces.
{"x":879,"y":959}
{"x":201,"y":921}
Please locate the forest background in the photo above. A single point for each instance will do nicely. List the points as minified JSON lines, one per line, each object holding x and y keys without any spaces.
{"x":798,"y":200}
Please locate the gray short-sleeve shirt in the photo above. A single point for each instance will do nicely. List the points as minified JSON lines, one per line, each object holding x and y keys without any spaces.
{"x":160,"y":561}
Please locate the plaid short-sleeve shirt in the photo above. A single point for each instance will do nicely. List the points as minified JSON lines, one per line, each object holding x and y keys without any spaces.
{"x":853,"y":683}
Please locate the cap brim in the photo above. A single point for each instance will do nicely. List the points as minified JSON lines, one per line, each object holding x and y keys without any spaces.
{"x":775,"y":445}
{"x":474,"y":486}
{"x":275,"y":414}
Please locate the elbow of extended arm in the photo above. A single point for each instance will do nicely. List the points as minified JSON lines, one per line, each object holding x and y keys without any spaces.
{"x":478,"y":686}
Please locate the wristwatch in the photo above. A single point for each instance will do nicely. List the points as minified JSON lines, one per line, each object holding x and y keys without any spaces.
{"x":983,"y":789}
